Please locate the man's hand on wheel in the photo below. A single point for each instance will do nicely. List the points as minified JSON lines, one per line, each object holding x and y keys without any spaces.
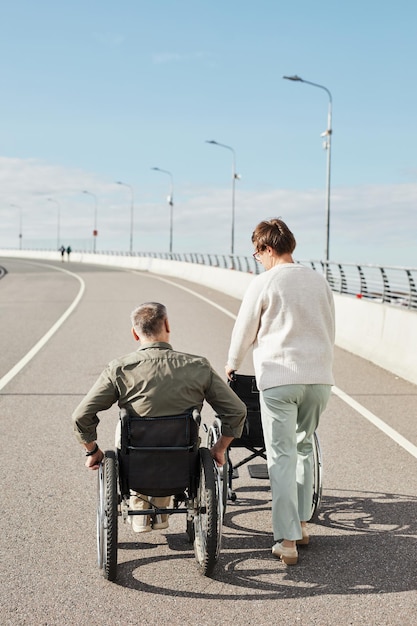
{"x":93,"y":461}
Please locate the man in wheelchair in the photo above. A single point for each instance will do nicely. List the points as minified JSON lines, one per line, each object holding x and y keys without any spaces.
{"x":156,"y":381}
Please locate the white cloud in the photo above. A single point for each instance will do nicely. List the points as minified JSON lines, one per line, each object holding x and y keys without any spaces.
{"x":369,"y":224}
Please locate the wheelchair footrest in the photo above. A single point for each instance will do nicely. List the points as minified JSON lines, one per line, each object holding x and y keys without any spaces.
{"x":258,"y":471}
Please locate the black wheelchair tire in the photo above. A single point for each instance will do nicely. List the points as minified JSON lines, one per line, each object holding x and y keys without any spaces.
{"x":213,"y":436}
{"x":190,"y":531}
{"x":107,"y":516}
{"x":225,"y":484}
{"x":317,"y":477}
{"x":207,"y":521}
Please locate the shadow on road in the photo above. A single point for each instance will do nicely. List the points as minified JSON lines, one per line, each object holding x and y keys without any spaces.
{"x":365,"y":543}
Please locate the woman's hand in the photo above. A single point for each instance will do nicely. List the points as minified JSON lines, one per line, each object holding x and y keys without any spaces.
{"x":230,"y":372}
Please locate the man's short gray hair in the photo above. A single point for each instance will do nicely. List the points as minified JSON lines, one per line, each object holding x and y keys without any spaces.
{"x":148,"y":318}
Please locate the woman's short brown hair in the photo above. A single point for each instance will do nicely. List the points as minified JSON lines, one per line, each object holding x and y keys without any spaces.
{"x":274,"y":234}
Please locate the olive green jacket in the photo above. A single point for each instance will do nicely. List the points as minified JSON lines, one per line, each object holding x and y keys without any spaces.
{"x":157,"y":381}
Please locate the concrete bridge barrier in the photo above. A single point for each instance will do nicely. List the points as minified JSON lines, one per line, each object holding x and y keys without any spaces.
{"x":381,"y":333}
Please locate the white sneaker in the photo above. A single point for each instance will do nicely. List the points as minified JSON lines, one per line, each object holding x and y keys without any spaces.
{"x":141,"y":523}
{"x":289,"y":556}
{"x":161,"y":522}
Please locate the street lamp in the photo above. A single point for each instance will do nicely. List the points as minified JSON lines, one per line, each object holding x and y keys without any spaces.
{"x":16,"y":206}
{"x":170,"y":202}
{"x":131,"y":213}
{"x":235,"y":177}
{"x":327,"y":146}
{"x":58,"y":230}
{"x":95,"y":233}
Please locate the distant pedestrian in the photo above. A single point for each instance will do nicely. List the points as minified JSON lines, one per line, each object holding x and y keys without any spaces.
{"x":62,"y":251}
{"x":69,"y":252}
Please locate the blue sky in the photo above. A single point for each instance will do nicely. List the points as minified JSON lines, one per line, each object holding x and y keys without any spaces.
{"x":96,"y":91}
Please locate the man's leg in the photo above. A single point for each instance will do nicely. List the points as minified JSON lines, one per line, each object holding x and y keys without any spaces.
{"x":140,"y":523}
{"x":161,"y":520}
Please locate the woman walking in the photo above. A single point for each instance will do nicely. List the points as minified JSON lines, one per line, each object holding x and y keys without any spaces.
{"x":287,"y":317}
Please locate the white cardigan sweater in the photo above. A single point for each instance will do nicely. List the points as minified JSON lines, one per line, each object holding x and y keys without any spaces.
{"x":287,"y":315}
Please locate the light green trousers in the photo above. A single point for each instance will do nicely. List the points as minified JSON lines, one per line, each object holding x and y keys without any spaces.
{"x":290,"y":415}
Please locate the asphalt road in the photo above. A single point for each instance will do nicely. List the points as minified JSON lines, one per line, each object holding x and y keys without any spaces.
{"x":360,"y":566}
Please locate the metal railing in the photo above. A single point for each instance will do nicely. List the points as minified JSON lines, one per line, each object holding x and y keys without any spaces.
{"x":391,"y":285}
{"x":385,"y":284}
{"x":225,"y":261}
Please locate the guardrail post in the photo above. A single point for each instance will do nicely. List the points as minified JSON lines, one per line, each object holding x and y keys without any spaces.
{"x":412,"y":300}
{"x":386,"y":293}
{"x":329,"y":277}
{"x":343,"y":281}
{"x":364,"y":289}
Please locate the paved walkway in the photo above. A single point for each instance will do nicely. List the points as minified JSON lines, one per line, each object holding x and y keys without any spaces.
{"x":360,"y":567}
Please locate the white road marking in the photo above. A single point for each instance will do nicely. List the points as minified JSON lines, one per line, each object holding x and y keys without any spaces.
{"x":33,"y":351}
{"x":193,"y":293}
{"x":376,"y":421}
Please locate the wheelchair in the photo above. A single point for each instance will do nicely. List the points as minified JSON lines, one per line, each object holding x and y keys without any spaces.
{"x":252,"y":440}
{"x":160,"y":456}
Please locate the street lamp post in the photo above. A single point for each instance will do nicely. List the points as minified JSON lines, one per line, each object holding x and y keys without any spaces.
{"x":95,"y":233}
{"x":235,"y":177}
{"x":16,"y":206}
{"x":327,"y":146}
{"x":58,"y":229}
{"x":131,"y":213}
{"x":171,"y":204}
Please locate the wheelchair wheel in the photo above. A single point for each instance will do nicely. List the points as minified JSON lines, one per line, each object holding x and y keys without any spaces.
{"x":107,"y":516}
{"x":213,"y":435}
{"x":208,"y":518}
{"x":225,"y":485}
{"x":190,"y":531}
{"x":317,"y":477}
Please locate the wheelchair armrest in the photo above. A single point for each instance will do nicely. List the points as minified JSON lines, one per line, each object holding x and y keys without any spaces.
{"x":197,"y":416}
{"x":123,"y":415}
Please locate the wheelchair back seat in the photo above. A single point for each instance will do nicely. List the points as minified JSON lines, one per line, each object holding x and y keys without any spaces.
{"x":252,"y":436}
{"x":158,"y":455}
